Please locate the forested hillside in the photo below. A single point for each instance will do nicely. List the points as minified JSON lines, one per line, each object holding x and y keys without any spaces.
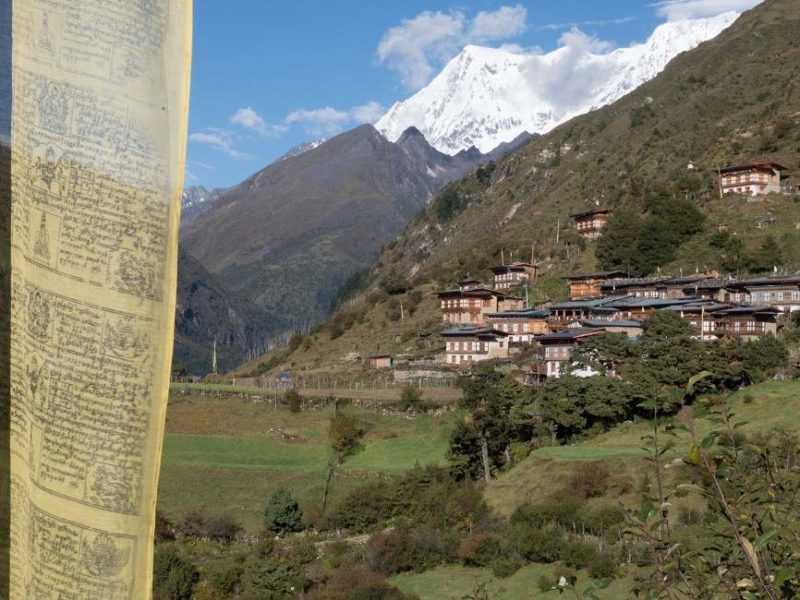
{"x":733,"y":99}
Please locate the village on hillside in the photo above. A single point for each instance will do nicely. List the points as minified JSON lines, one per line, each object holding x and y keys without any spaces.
{"x":495,"y":321}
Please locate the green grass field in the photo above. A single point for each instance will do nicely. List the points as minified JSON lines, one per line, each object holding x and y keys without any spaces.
{"x":764,"y":407}
{"x":456,"y":582}
{"x":225,"y":456}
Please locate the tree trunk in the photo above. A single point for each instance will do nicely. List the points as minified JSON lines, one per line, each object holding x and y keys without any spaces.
{"x":553,"y":432}
{"x":487,"y":473}
{"x":507,"y":453}
{"x":328,"y":478}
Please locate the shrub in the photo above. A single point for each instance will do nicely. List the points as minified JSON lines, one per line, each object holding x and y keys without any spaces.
{"x":578,"y":553}
{"x":504,"y":566}
{"x":536,"y":543}
{"x":411,"y":399}
{"x":222,"y":529}
{"x":293,"y":400}
{"x":589,"y":480}
{"x":174,"y":576}
{"x":603,"y":565}
{"x":165,"y":529}
{"x":479,"y":549}
{"x":193,"y":525}
{"x":283,"y":513}
{"x":225,"y":577}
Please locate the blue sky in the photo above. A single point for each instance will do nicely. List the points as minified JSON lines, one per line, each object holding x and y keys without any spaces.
{"x":270,"y":74}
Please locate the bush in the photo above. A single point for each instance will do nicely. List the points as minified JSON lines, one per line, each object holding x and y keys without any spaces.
{"x":165,"y":529}
{"x":536,"y":543}
{"x":193,"y":525}
{"x":226,"y":577}
{"x":293,"y":400}
{"x":578,"y":553}
{"x":479,"y":549}
{"x":411,"y":399}
{"x":282,"y":513}
{"x":505,"y":566}
{"x":603,"y":565}
{"x":174,"y":576}
{"x":589,"y":480}
{"x":222,"y":529}
{"x":394,"y":284}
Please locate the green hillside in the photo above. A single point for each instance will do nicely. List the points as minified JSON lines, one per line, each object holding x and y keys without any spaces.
{"x":733,"y":99}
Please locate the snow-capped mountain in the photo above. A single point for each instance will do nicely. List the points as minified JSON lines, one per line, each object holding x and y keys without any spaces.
{"x":195,"y":200}
{"x":486,"y":96}
{"x":302,"y":148}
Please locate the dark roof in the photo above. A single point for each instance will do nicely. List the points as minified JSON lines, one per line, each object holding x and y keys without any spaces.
{"x":626,"y":282}
{"x":567,"y":336}
{"x":473,"y":332}
{"x":597,"y":275}
{"x":589,"y":303}
{"x":515,"y":266}
{"x":468,"y":280}
{"x":595,"y":323}
{"x":773,"y":280}
{"x":520,"y":313}
{"x":746,"y":167}
{"x":477,"y":291}
{"x":598,"y":210}
{"x":749,"y":310}
{"x":651,"y":302}
{"x":379,"y":356}
{"x":699,"y":307}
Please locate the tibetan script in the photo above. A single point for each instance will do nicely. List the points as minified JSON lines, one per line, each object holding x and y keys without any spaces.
{"x":96,"y":120}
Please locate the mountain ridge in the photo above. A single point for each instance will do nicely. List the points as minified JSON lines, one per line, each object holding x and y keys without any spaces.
{"x":487,"y":96}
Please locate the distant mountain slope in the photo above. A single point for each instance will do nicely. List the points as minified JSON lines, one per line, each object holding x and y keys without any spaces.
{"x":206,"y":309}
{"x":484,"y":96}
{"x":289,"y":235}
{"x":734,"y":98}
{"x":195,"y":200}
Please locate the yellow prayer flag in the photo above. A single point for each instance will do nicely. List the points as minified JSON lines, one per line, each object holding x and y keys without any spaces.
{"x":96,"y":124}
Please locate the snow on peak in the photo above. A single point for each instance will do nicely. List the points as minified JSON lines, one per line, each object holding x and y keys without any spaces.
{"x":486,"y":96}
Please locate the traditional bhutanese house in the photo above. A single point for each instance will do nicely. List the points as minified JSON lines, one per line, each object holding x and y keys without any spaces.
{"x":641,"y":308}
{"x":718,"y":289}
{"x":679,"y":287}
{"x":630,"y":327}
{"x":467,"y":345}
{"x":748,"y":322}
{"x":781,"y":292}
{"x":587,"y":285}
{"x":638,"y":287}
{"x":754,"y":179}
{"x":558,"y":348}
{"x":520,"y":324}
{"x":563,"y":313}
{"x":469,"y":304}
{"x":700,"y":315}
{"x":381,"y":361}
{"x":590,"y":223}
{"x":514,"y":274}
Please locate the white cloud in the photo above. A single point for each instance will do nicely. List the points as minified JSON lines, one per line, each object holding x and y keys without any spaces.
{"x":506,"y":22}
{"x":675,"y":10}
{"x":250,"y":119}
{"x":590,"y":23}
{"x":329,"y":120}
{"x":221,"y":139}
{"x":323,"y":116}
{"x":569,"y":77}
{"x":367,"y":113}
{"x":416,"y":47}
